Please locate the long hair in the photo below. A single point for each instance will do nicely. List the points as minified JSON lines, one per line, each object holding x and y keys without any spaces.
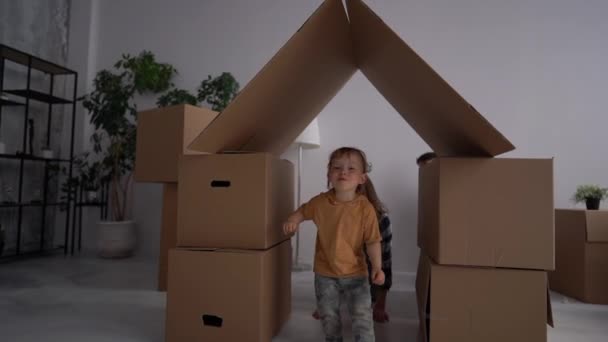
{"x":367,"y":189}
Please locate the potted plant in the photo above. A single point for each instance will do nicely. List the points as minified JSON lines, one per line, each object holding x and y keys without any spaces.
{"x":113,"y":115}
{"x":592,"y":195}
{"x":215,"y":91}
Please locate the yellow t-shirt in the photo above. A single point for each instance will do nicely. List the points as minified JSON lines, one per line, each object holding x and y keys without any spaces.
{"x":343,"y":229}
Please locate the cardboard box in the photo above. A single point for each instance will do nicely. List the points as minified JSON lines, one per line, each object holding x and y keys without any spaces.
{"x":316,"y":62}
{"x":168,"y":232}
{"x":234,"y":200}
{"x":487,"y":212}
{"x":581,"y":255}
{"x":228,"y":295}
{"x":477,"y":304}
{"x":163,"y":136}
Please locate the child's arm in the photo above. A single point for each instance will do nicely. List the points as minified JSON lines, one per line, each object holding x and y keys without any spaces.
{"x":374,"y":252}
{"x":293,"y":222}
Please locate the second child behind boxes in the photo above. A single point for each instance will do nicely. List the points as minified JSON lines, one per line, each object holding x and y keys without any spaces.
{"x":346,"y":224}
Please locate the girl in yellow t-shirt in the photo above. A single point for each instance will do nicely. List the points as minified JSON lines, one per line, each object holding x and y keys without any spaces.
{"x":347,"y":228}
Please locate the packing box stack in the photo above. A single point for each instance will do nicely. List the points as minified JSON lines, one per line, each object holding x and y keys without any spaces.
{"x":224,"y":260}
{"x":581,"y":255}
{"x":230,"y":275}
{"x":163,"y":136}
{"x":485,"y":229}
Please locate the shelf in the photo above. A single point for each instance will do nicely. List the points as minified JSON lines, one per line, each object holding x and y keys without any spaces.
{"x":30,"y":157}
{"x":38,"y":96}
{"x":23,"y":58}
{"x":36,"y":204}
{"x":90,"y":204}
{"x":7,"y":102}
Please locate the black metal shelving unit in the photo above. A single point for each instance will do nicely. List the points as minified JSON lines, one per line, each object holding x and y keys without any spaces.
{"x":52,"y":71}
{"x":79,"y":205}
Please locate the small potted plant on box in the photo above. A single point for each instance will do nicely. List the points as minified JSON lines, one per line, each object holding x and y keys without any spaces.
{"x":592,"y":195}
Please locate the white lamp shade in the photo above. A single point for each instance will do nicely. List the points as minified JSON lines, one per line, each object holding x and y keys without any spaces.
{"x":309,"y":138}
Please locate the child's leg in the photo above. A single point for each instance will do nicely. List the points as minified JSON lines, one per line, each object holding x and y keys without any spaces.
{"x":356,"y":291}
{"x":327,"y":291}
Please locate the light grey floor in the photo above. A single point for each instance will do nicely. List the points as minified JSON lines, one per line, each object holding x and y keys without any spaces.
{"x":94,"y":300}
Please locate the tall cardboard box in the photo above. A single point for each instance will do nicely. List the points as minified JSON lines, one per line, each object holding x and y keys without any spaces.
{"x":581,"y":255}
{"x":487,"y":212}
{"x":234,"y":200}
{"x":168,"y":232}
{"x":228,"y":295}
{"x":477,"y":304}
{"x":163,"y":136}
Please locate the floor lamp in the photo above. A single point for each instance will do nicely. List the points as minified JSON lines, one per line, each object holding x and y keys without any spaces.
{"x":307,"y":140}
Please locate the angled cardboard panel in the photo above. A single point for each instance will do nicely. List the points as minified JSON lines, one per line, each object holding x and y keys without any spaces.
{"x":291,"y":89}
{"x":442,"y":118}
{"x":597,"y":225}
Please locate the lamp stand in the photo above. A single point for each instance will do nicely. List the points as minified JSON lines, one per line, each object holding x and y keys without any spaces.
{"x":297,"y":267}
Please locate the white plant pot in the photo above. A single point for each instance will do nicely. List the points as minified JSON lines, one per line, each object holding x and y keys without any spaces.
{"x":116,"y":239}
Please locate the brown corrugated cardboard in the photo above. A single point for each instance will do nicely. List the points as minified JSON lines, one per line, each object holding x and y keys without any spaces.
{"x":487,"y":212}
{"x":228,"y":295}
{"x":316,"y":63}
{"x":163,"y":135}
{"x":234,"y":200}
{"x":581,"y":255}
{"x":168,"y":231}
{"x":477,"y":304}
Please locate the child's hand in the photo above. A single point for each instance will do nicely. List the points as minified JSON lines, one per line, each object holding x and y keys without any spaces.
{"x":377,"y":276}
{"x":290,"y":227}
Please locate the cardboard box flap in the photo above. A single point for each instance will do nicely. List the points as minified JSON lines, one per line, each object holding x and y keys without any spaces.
{"x":597,"y":225}
{"x":442,"y":118}
{"x":291,"y":89}
{"x":549,"y":309}
{"x":423,"y":288}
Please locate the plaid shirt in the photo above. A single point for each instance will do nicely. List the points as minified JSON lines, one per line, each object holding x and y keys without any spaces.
{"x":384,"y":224}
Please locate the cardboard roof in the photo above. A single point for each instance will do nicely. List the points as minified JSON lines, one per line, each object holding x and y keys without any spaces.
{"x":318,"y":60}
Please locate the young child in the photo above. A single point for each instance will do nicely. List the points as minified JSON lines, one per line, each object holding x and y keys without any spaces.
{"x":346,"y":225}
{"x":379,"y":292}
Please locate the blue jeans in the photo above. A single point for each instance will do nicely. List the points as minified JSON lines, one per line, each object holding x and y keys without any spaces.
{"x":357,"y":295}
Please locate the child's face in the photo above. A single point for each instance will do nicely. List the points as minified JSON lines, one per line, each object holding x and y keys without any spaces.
{"x":346,"y":172}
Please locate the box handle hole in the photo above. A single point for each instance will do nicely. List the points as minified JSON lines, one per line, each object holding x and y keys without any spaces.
{"x":212,"y":321}
{"x":220,"y":184}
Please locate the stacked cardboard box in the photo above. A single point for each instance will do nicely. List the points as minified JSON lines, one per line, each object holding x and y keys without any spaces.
{"x":230,"y":275}
{"x":163,"y":136}
{"x":581,"y":255}
{"x":225,"y":263}
{"x":485,"y":228}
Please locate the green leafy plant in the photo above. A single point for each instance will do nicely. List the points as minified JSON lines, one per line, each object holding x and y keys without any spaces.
{"x":146,"y":74}
{"x":176,"y":97}
{"x":114,"y":114}
{"x":585,"y":192}
{"x":218,"y":91}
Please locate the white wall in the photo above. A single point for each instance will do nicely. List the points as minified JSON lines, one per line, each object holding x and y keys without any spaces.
{"x":535,"y":69}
